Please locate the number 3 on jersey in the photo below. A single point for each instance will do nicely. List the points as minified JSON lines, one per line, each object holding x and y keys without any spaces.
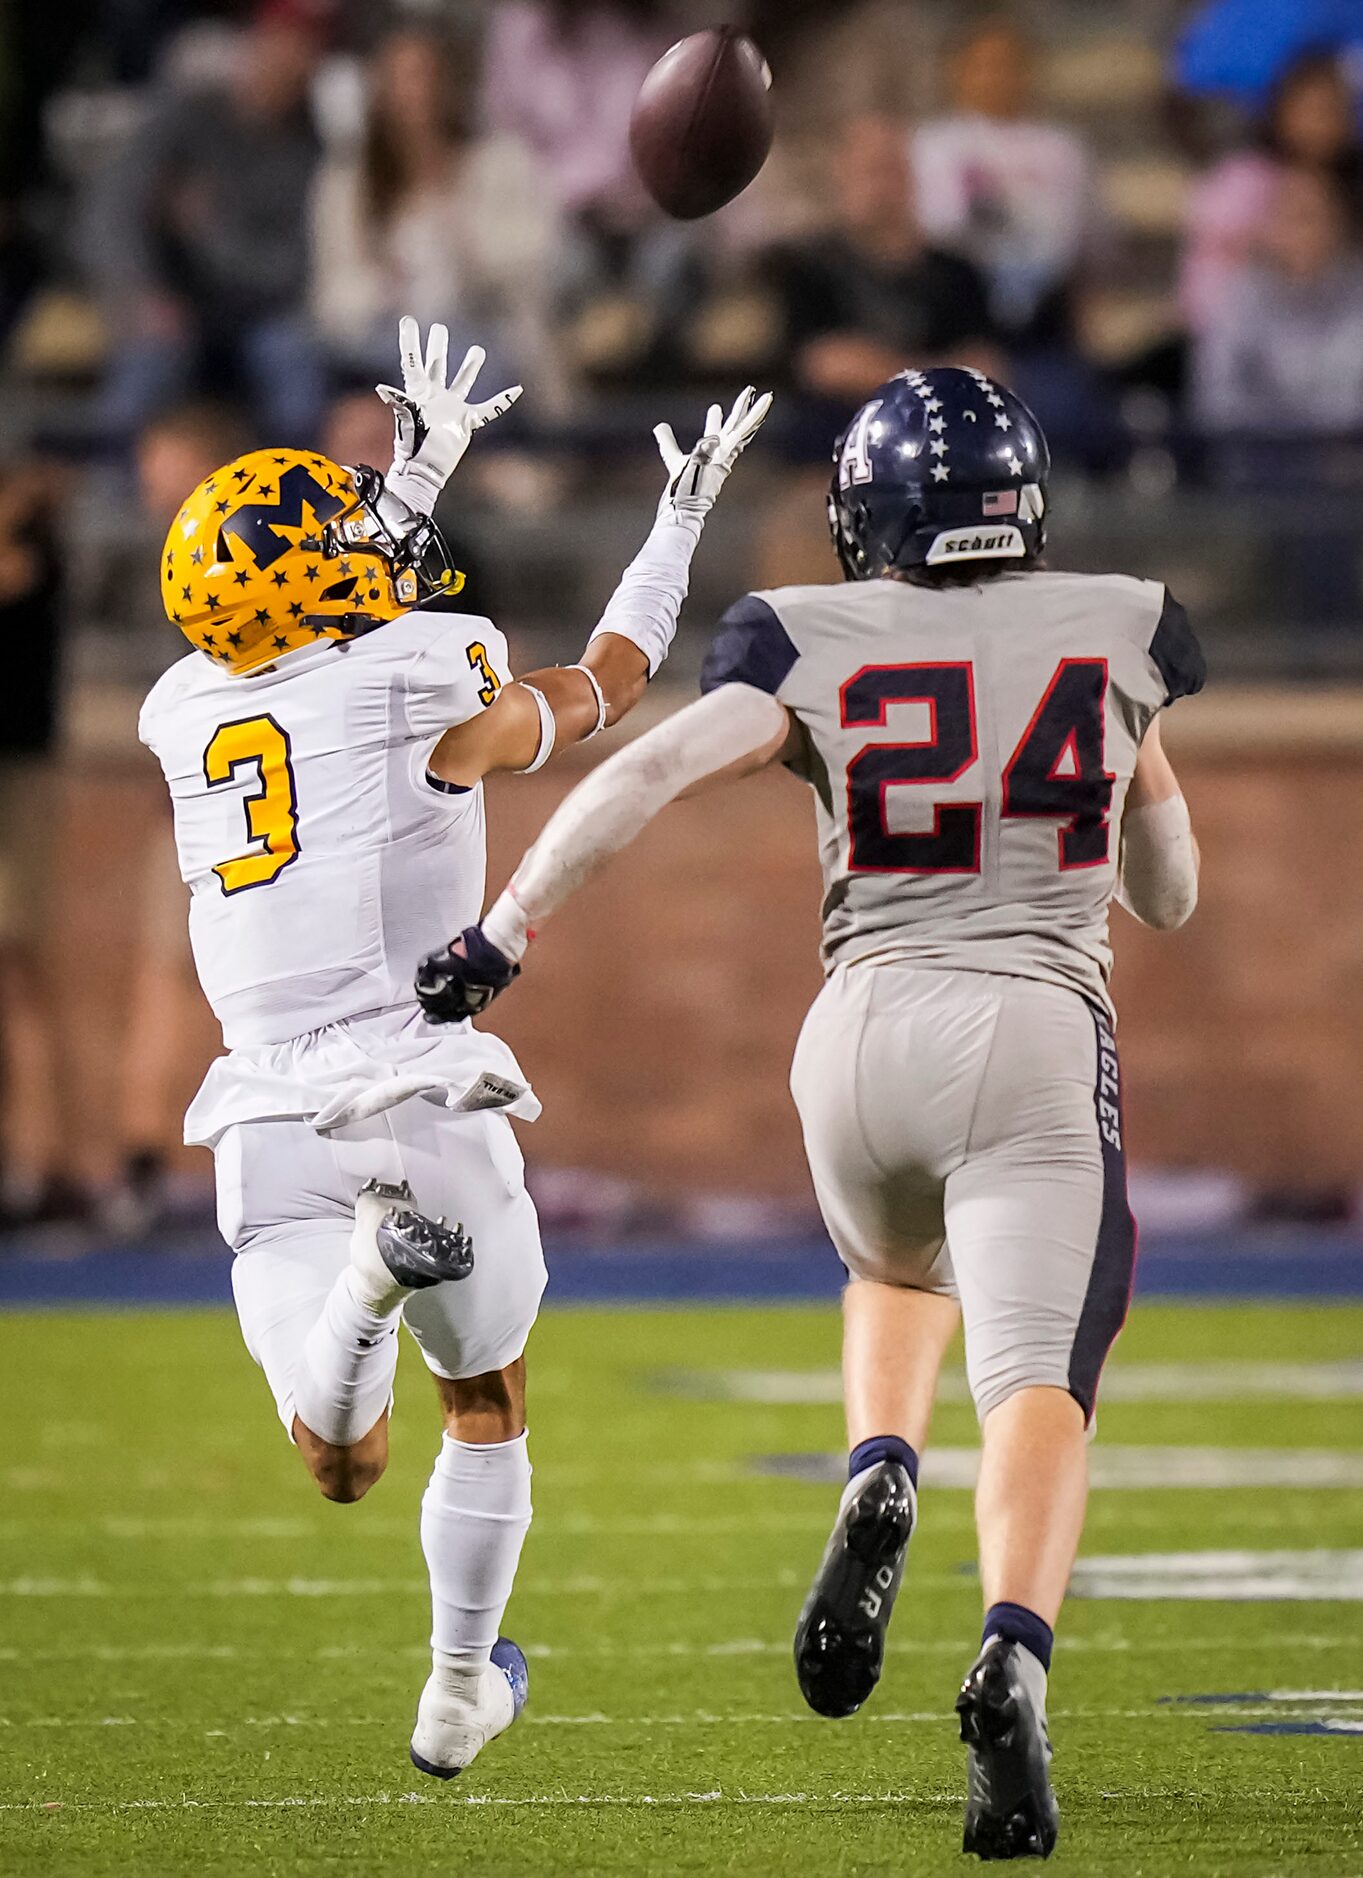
{"x":1058,"y":770}
{"x":271,"y":813}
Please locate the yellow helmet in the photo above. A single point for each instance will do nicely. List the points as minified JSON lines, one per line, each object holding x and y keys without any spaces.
{"x":284,"y":548}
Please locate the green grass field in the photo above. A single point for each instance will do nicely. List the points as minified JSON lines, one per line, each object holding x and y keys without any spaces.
{"x":207,"y":1670}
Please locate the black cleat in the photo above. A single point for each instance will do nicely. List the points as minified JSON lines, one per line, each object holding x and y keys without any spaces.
{"x":840,"y":1638}
{"x":419,"y":1252}
{"x":1010,"y":1810}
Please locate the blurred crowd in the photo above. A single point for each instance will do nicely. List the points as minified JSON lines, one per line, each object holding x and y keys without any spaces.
{"x":239,"y":199}
{"x":212,"y":213}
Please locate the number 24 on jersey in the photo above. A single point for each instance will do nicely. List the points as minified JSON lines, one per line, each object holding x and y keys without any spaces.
{"x":1057,"y":772}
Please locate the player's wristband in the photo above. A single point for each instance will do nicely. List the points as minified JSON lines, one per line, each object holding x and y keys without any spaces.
{"x":600,"y":695}
{"x":411,"y":482}
{"x":548,"y":730}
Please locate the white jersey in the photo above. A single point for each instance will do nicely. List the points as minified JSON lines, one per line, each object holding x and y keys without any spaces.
{"x":322,"y":859}
{"x":970,"y":750}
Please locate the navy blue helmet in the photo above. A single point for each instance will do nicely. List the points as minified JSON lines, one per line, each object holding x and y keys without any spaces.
{"x":938,"y":468}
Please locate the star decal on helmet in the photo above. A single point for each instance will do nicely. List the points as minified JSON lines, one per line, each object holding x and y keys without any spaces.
{"x":212,"y":602}
{"x":295,"y":609}
{"x":281,"y":642}
{"x":939,"y":446}
{"x":937,"y":424}
{"x":242,"y":578}
{"x":1004,"y":423}
{"x":262,"y":617}
{"x":940,"y":473}
{"x":1015,"y":463}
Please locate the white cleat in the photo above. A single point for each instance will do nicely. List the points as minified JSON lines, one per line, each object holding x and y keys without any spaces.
{"x":375,"y":1203}
{"x":450,"y":1733}
{"x":395,"y":1245}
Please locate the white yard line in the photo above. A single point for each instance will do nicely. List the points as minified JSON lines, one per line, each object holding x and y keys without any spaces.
{"x":734,"y":1649}
{"x":716,"y":1798}
{"x":446,"y":1798}
{"x":689,"y":1718}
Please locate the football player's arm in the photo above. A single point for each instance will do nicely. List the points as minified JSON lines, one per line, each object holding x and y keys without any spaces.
{"x":1160,"y":859}
{"x":553,"y":709}
{"x":734,"y":731}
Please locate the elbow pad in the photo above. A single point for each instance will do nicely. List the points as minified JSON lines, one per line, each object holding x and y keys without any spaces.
{"x":1158,"y":875}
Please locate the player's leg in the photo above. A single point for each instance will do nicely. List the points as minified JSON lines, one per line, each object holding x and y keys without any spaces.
{"x":893,"y":1343}
{"x":1043,"y":1248}
{"x":321,"y":1277}
{"x":883,"y":1209}
{"x":476,"y":1510}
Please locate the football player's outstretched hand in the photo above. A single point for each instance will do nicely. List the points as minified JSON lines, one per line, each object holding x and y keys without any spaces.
{"x":695,"y":480}
{"x":463,"y":978}
{"x":434,"y":421}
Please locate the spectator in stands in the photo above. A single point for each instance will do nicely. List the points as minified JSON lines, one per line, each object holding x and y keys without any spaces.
{"x":1239,"y":49}
{"x":34,"y":1184}
{"x":200,"y":237}
{"x":561,"y":77}
{"x":165,"y":1006}
{"x":871,"y":296}
{"x":1282,"y":354}
{"x":1008,"y":190}
{"x":1311,"y":122}
{"x":425,"y":218}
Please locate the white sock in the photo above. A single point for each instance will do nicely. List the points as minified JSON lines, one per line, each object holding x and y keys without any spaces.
{"x":474,"y":1518}
{"x":346,"y":1376}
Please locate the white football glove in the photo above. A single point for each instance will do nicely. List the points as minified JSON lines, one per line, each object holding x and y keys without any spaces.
{"x":433,"y":421}
{"x":695,"y":480}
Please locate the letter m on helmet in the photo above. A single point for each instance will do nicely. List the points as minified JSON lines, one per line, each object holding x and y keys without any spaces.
{"x":257,"y":524}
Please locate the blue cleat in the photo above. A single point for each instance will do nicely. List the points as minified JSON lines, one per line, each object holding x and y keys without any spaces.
{"x":451,"y":1732}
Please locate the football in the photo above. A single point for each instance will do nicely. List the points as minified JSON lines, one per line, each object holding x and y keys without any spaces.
{"x":702,"y":127}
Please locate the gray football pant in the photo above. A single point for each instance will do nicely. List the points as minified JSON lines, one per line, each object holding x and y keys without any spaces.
{"x":964,"y":1132}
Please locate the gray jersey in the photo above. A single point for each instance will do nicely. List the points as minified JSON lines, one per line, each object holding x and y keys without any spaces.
{"x":970,"y":750}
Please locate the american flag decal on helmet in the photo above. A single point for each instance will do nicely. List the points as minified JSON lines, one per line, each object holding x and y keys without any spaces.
{"x":1001,"y":502}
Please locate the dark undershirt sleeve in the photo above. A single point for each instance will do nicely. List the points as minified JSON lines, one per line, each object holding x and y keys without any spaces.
{"x":1176,"y":653}
{"x":751,"y":647}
